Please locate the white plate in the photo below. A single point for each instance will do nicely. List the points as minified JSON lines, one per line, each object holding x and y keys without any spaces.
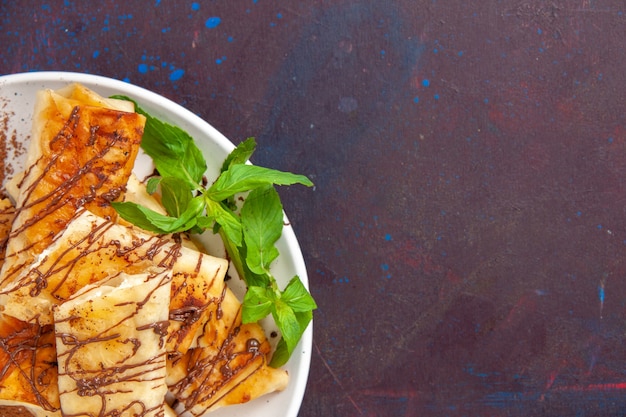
{"x":17,"y":95}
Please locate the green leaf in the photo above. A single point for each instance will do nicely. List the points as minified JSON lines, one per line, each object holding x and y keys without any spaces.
{"x":175,"y":167}
{"x":297,"y":296}
{"x":240,"y":178}
{"x":194,"y":161}
{"x":205,"y":222}
{"x":153,"y":184}
{"x":175,"y":196}
{"x":229,"y":223}
{"x":158,"y":223}
{"x":173,"y":150}
{"x":262,"y":220}
{"x":240,"y":155}
{"x":287,"y":322}
{"x":281,"y":354}
{"x":284,"y":349}
{"x":141,"y":217}
{"x":237,"y":256}
{"x":257,"y":304}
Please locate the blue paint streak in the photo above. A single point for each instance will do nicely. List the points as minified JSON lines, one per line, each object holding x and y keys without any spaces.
{"x":177,"y":74}
{"x":213,"y":22}
{"x":502,"y":399}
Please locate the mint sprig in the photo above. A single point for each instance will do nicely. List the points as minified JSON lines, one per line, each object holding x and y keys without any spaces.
{"x":249,"y":230}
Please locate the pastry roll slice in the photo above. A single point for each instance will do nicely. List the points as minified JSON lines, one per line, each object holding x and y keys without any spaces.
{"x":28,"y":371}
{"x":7,"y":214}
{"x":229,"y":366}
{"x":92,"y":248}
{"x":110,"y":341}
{"x":82,"y":150}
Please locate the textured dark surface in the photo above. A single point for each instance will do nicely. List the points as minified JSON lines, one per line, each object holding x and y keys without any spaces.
{"x":466,"y":234}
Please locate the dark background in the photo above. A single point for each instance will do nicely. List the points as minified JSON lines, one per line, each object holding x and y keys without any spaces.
{"x":465,"y":239}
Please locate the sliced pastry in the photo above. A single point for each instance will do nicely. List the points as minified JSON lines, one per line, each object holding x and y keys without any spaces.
{"x":229,"y":366}
{"x":28,"y":369}
{"x":81,"y":152}
{"x":7,"y":214}
{"x":110,"y":341}
{"x":92,"y":248}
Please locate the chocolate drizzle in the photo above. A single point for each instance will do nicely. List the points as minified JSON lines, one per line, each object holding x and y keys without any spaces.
{"x":85,"y":163}
{"x":160,"y":328}
{"x":186,"y":314}
{"x":129,"y":361}
{"x":30,"y":349}
{"x":59,"y":272}
{"x":213,"y":373}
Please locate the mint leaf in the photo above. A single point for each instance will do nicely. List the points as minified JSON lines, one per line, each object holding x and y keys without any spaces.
{"x":156,"y":222}
{"x":141,"y":216}
{"x":194,"y":161}
{"x":228,"y":222}
{"x":298,"y":297}
{"x":257,"y":304}
{"x":175,"y":167}
{"x":284,"y":348}
{"x":240,"y":155}
{"x":262,"y":220}
{"x":242,"y":177}
{"x":173,"y":151}
{"x":175,"y":195}
{"x":292,"y":312}
{"x":283,"y":352}
{"x":153,"y":184}
{"x":238,"y":257}
{"x":287,"y":322}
